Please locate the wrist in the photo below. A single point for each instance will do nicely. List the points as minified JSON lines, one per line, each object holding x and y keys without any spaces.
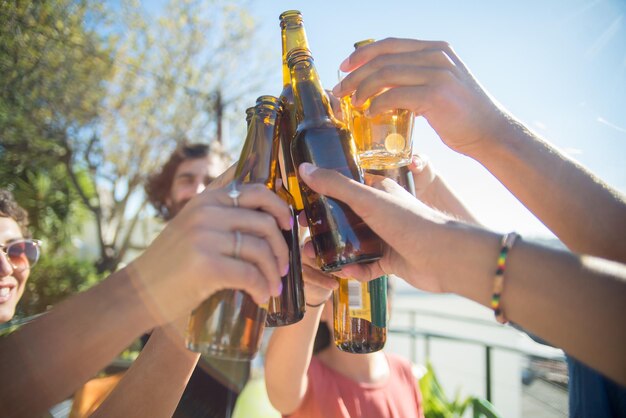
{"x":139,"y":299}
{"x":506,"y":139}
{"x":467,"y":263}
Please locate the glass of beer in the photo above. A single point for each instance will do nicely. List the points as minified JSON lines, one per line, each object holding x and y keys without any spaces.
{"x":383,"y":141}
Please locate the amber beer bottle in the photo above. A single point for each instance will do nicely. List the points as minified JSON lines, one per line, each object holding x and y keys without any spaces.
{"x":288,"y":308}
{"x":360,"y":309}
{"x":360,"y":315}
{"x":293,"y":36}
{"x":229,"y":324}
{"x":338,"y":235}
{"x":249,"y":114}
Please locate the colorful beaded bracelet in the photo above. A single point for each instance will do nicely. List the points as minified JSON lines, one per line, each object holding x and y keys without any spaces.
{"x":498,"y":281}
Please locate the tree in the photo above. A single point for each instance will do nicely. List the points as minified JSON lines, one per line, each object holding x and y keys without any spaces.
{"x":107,"y":93}
{"x":52,"y":68}
{"x":53,"y":64}
{"x":175,"y":77}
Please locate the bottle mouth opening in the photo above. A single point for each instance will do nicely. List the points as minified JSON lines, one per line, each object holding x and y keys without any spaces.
{"x":290,"y":13}
{"x":268,"y":102}
{"x":290,"y":17}
{"x":249,"y":113}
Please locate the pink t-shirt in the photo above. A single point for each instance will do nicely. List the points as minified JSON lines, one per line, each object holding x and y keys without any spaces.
{"x":333,"y":395}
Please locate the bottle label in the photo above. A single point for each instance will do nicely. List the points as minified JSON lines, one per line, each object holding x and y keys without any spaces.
{"x":359,"y":303}
{"x":378,"y":296}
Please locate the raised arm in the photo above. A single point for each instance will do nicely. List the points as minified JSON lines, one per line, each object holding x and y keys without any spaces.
{"x":156,"y":379}
{"x":432,"y":189}
{"x":49,"y":358}
{"x":290,"y":348}
{"x":165,"y":362}
{"x":430,"y":79}
{"x":575,"y":302}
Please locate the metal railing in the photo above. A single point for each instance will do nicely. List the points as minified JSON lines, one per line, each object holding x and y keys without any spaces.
{"x":414,"y":333}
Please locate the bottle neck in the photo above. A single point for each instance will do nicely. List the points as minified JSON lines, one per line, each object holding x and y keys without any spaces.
{"x":258,"y":162}
{"x":312,"y":103}
{"x":293,"y":36}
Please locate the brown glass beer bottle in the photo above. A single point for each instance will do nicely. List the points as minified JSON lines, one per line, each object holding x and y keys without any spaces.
{"x":293,"y":36}
{"x":288,"y":308}
{"x":229,"y":324}
{"x":338,"y":235}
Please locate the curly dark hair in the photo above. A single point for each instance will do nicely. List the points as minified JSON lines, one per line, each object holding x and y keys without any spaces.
{"x":10,"y":209}
{"x":159,"y":183}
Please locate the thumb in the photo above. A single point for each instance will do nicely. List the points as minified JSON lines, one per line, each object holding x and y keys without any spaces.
{"x":388,"y":212}
{"x":334,"y":184}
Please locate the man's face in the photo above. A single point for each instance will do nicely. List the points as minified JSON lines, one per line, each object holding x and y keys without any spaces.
{"x":191,"y":178}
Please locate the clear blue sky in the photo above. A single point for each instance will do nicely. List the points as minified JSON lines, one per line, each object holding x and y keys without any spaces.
{"x":559,"y":66}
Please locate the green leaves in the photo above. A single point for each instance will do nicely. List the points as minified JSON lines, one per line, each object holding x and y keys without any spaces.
{"x":94,"y":96}
{"x":436,"y":403}
{"x":53,"y":279}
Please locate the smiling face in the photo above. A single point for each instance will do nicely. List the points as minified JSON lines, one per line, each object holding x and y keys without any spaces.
{"x":12,"y":283}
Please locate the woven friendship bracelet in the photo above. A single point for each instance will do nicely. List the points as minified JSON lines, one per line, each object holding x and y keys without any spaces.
{"x":498,"y":281}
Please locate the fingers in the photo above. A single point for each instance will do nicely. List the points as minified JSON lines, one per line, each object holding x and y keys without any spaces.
{"x":388,"y":214}
{"x":423,"y":174}
{"x":363,"y":272}
{"x":254,"y":251}
{"x":418,"y":99}
{"x":387,"y":46}
{"x":386,"y":65}
{"x":315,"y":277}
{"x":302,"y":219}
{"x":334,"y":104}
{"x":419,"y":163}
{"x":394,"y":76}
{"x":386,"y":185}
{"x":308,"y":252}
{"x":259,"y":224}
{"x":254,"y":196}
{"x":333,"y":184}
{"x":239,"y":274}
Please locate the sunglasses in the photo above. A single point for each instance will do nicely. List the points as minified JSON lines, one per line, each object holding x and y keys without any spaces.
{"x":22,"y":254}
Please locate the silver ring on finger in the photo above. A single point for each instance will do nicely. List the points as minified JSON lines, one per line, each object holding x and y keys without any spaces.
{"x":234,"y":193}
{"x":238,"y":242}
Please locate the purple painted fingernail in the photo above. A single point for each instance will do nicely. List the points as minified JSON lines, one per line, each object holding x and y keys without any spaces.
{"x":285,"y":271}
{"x":280,"y":288}
{"x":291,"y":222}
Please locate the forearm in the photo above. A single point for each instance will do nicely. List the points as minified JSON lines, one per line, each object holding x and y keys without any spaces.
{"x":439,"y":196}
{"x":287,"y":361}
{"x":48,"y":359}
{"x":156,"y":379}
{"x":574,"y":302}
{"x":587,"y":215}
